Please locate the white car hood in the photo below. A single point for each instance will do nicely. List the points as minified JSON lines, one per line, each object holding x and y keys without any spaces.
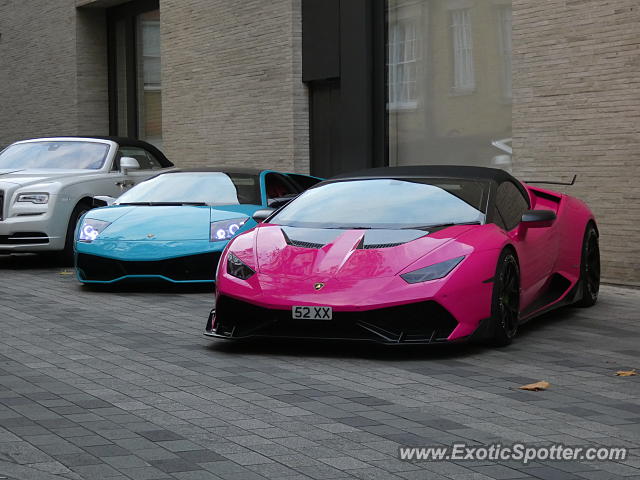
{"x":28,"y":177}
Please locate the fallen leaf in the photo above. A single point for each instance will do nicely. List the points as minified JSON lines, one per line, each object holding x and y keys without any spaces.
{"x":626,"y":373}
{"x":66,"y":272}
{"x":536,"y":387}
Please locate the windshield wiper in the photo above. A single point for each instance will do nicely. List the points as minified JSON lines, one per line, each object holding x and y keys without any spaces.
{"x":15,"y":171}
{"x":442,"y":225}
{"x":166,"y":204}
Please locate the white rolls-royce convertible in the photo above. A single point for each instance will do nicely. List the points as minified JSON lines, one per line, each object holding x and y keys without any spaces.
{"x":46,"y":184}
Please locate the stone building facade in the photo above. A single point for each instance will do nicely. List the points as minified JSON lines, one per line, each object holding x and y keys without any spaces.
{"x":241,"y":84}
{"x":231,"y":94}
{"x":577,"y":111}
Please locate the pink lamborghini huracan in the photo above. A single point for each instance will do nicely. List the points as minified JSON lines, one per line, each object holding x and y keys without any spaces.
{"x":408,"y":255}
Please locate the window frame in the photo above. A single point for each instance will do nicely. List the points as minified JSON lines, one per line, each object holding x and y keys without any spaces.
{"x":150,"y":156}
{"x":295,"y":190}
{"x":497,"y":213}
{"x":128,"y":13}
{"x":462,"y":55}
{"x":505,"y":37}
{"x":398,"y":68}
{"x":299,"y":178}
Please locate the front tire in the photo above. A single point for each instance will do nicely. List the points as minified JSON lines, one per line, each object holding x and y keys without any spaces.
{"x":505,"y":302}
{"x":590,"y":267}
{"x":66,"y":256}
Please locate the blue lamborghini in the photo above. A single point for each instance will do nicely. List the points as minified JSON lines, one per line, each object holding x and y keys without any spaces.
{"x":175,"y":225}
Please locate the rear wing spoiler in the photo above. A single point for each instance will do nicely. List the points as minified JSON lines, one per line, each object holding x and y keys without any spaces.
{"x":551,"y":182}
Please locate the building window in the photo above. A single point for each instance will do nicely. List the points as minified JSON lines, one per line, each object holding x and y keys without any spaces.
{"x":403,"y":60}
{"x":135,"y":85}
{"x":150,"y":82}
{"x":505,"y":29}
{"x":450,"y":45}
{"x":464,"y":79}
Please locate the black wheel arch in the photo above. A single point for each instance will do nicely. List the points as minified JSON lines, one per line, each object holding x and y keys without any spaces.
{"x":511,"y":248}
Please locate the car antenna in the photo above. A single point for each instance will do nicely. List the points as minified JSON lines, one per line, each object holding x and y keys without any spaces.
{"x":569,"y":184}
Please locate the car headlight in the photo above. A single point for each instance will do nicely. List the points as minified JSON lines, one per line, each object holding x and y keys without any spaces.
{"x":38,"y":198}
{"x":237,"y":268}
{"x":432,"y":272}
{"x":226,"y":229}
{"x":90,"y":229}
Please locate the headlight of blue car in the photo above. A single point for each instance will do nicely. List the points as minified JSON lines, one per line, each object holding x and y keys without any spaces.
{"x":90,"y":229}
{"x":237,"y":268}
{"x":226,"y":229}
{"x":432,"y":272}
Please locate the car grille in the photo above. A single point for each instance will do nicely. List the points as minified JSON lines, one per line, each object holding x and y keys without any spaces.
{"x":189,"y":268}
{"x":423,"y":322}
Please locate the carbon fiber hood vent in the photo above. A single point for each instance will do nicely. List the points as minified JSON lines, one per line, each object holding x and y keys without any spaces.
{"x":389,"y":238}
{"x":296,"y":243}
{"x":316,"y":238}
{"x":379,"y":245}
{"x":309,"y":237}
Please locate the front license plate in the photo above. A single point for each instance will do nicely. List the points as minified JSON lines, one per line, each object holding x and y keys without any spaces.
{"x":312,"y":313}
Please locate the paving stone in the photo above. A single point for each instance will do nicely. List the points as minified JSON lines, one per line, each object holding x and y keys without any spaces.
{"x":77,"y":459}
{"x":135,"y":391}
{"x":174,"y":465}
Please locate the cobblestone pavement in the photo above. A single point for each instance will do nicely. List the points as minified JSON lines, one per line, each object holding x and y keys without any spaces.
{"x":122,"y":384}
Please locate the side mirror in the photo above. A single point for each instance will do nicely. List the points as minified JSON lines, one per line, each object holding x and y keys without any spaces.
{"x":103,"y":201}
{"x":538,"y":218}
{"x":128,"y":163}
{"x":261,"y":215}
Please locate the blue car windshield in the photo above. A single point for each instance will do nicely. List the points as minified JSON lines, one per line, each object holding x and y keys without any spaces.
{"x":387,"y":204}
{"x":67,"y":154}
{"x":205,"y":188}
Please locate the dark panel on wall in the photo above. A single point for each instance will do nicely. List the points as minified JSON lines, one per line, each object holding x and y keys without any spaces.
{"x":356,"y":79}
{"x":320,"y":39}
{"x":348,"y":113}
{"x":323,"y":110}
{"x":380,"y":123}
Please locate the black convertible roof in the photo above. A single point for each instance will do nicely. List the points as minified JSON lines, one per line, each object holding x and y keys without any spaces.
{"x":236,"y":170}
{"x":128,"y":142}
{"x":427,"y":171}
{"x":132,"y":142}
{"x":435,"y":171}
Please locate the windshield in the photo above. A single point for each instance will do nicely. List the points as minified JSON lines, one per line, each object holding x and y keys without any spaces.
{"x":387,"y":203}
{"x":72,"y":155}
{"x":205,"y":188}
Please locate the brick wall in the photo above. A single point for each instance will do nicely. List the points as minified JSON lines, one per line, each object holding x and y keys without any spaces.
{"x":232,"y":92}
{"x":52,"y":70}
{"x":232,"y":89}
{"x":37,"y":69}
{"x":92,"y":72}
{"x":577,"y":110}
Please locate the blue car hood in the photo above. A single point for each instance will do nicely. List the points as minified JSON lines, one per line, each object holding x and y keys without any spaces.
{"x":158,"y":223}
